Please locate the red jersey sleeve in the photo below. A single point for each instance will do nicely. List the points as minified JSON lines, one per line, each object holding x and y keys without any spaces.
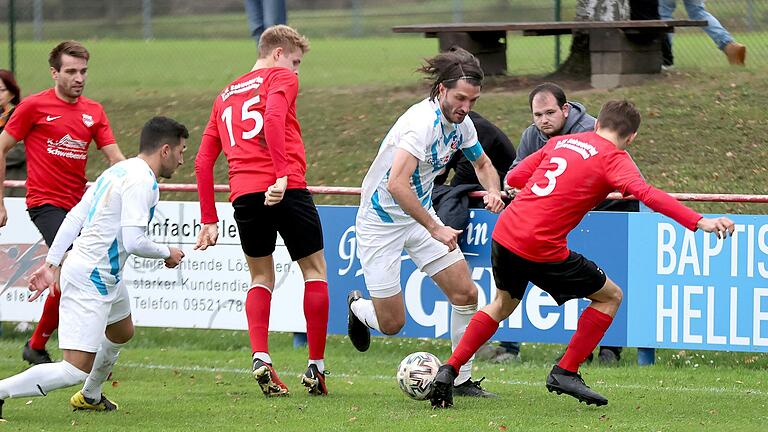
{"x":22,"y":120}
{"x":282,"y":93}
{"x":102,"y":132}
{"x":210,"y":148}
{"x":519,"y":175}
{"x":623,"y":174}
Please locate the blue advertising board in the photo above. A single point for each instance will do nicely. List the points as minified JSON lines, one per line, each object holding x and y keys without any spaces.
{"x":682,"y":289}
{"x":601,"y":237}
{"x":693,"y":291}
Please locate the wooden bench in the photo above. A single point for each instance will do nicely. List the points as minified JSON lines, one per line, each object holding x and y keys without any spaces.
{"x":616,"y":56}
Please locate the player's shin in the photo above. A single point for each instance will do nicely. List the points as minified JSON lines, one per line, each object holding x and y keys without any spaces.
{"x":102,"y":367}
{"x":39,"y":380}
{"x":590,"y":330}
{"x":461,"y":317}
{"x":257,"y":307}
{"x":316,"y":314}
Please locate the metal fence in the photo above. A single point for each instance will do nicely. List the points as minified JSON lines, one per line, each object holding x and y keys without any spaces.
{"x":361,"y":24}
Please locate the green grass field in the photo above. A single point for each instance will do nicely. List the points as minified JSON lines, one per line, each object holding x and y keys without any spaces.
{"x":181,"y":380}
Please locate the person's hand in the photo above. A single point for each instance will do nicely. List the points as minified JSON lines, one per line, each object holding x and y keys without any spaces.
{"x":207,"y":236}
{"x":43,"y":278}
{"x":446,"y":235}
{"x":3,"y":214}
{"x":511,"y":192}
{"x":175,"y":258}
{"x":493,"y":202}
{"x":721,"y":226}
{"x":276,"y":192}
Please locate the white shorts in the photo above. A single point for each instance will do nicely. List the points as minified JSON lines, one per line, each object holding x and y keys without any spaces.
{"x":380,"y":248}
{"x":84,"y":313}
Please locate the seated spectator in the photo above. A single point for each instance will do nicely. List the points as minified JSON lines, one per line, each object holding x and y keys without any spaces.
{"x":16,"y":160}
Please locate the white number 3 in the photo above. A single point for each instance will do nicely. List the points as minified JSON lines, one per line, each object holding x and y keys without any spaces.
{"x":551,"y":176}
{"x":245,"y":114}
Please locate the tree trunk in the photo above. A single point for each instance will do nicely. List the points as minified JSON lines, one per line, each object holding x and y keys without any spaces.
{"x":577,"y":65}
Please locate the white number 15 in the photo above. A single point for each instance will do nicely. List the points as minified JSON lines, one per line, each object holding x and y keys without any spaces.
{"x":245,"y":114}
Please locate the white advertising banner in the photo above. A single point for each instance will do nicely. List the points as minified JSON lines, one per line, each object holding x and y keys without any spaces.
{"x":207,"y":290}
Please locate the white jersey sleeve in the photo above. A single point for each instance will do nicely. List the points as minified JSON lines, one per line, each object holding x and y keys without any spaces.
{"x":140,"y":197}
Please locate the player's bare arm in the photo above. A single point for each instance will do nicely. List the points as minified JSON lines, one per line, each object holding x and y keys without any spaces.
{"x":399,"y":186}
{"x":112,"y":153}
{"x":207,"y":236}
{"x":489,"y":179}
{"x":6,"y":144}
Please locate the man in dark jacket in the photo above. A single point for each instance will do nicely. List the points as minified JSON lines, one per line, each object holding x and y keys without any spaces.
{"x":553,"y":115}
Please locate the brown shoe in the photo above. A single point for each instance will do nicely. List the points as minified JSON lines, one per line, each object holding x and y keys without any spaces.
{"x":736,"y":53}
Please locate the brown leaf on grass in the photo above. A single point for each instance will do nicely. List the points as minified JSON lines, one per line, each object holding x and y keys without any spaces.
{"x":355,"y":408}
{"x":603,"y":417}
{"x":503,"y":428}
{"x":352,"y":419}
{"x":115,"y":383}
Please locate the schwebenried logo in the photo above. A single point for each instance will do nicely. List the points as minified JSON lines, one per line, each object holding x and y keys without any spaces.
{"x":88,"y":120}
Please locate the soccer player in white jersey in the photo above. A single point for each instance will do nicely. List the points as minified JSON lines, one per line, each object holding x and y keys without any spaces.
{"x":396,"y":207}
{"x":95,"y":310}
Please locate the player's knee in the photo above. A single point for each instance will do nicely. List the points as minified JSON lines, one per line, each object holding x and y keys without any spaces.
{"x":615,"y":296}
{"x":464,"y":295}
{"x":391,"y":326}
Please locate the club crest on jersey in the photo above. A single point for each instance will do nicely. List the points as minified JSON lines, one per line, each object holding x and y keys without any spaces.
{"x":88,"y":120}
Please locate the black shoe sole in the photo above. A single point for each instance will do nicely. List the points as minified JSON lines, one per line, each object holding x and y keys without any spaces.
{"x":359,"y":334}
{"x":581,"y":398}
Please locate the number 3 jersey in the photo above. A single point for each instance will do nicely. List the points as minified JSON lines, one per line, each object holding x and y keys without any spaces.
{"x":564,"y":180}
{"x":254,"y":122}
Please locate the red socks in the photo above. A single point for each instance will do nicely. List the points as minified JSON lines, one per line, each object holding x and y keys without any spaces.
{"x":49,"y":321}
{"x":257,"y":305}
{"x":590,"y":330}
{"x":316,"y":314}
{"x":481,"y":327}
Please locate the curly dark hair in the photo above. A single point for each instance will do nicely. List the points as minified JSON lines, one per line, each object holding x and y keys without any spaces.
{"x":451,"y":66}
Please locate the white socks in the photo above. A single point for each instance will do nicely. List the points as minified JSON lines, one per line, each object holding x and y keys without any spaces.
{"x":102,"y":367}
{"x":460,"y":317}
{"x":365,"y":312}
{"x":263,"y":357}
{"x":39,"y":380}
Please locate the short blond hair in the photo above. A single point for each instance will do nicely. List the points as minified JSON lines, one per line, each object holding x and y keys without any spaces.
{"x":282,"y":36}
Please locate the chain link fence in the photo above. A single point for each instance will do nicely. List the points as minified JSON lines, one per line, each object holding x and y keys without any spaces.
{"x":204,"y":43}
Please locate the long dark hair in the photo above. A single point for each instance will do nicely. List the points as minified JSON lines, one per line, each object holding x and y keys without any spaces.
{"x":451,"y":66}
{"x":10,"y":83}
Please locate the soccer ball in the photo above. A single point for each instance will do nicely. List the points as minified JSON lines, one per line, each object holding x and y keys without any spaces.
{"x":416,"y":373}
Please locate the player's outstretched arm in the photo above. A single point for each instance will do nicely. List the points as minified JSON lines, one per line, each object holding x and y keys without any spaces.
{"x":721,"y":226}
{"x":489,"y":179}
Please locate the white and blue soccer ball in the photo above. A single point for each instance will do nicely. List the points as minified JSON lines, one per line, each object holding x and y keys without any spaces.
{"x":416,"y":373}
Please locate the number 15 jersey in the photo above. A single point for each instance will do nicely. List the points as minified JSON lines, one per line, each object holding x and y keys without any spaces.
{"x":254,"y":122}
{"x":564,"y":180}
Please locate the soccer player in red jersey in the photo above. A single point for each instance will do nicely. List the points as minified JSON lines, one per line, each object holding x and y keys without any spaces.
{"x":560,"y":183}
{"x":57,"y":125}
{"x":254,"y":122}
